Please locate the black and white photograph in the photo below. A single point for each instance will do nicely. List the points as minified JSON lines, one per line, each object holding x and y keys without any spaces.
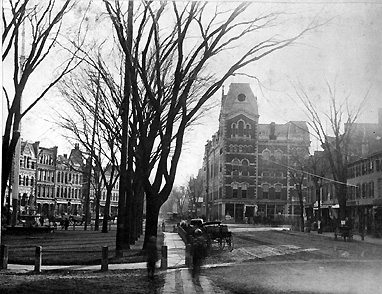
{"x":189,"y":147}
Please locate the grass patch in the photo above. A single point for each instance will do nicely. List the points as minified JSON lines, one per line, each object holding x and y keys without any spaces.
{"x":76,"y":247}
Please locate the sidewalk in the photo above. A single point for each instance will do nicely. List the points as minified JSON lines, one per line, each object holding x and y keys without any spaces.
{"x":356,"y":237}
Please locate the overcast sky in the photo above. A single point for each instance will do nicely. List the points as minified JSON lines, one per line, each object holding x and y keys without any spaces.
{"x":347,"y":50}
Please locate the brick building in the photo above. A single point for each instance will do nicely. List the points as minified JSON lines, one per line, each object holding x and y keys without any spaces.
{"x":245,"y":163}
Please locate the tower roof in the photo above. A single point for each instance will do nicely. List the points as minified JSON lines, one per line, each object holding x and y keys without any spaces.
{"x":240,"y":99}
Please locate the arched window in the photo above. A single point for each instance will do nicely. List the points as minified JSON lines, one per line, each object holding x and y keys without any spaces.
{"x":235,"y":167}
{"x":278,"y":155}
{"x":248,"y":130}
{"x":244,"y":167}
{"x":233,"y":130}
{"x":231,"y":148}
{"x":266,"y":154}
{"x":241,"y":128}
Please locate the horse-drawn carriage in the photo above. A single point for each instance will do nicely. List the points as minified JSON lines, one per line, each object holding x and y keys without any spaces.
{"x":217,"y":233}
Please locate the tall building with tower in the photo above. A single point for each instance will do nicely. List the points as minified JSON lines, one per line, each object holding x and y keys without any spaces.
{"x":245,"y":166}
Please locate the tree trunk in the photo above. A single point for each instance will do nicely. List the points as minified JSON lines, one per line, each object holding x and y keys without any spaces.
{"x":301,"y":209}
{"x":152,"y":213}
{"x":341,"y":196}
{"x":106,"y":210}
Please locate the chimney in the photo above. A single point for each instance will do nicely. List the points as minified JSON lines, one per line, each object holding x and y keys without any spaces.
{"x":272,"y":135}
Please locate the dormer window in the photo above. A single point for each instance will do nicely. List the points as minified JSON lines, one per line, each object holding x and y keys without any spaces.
{"x":241,"y":97}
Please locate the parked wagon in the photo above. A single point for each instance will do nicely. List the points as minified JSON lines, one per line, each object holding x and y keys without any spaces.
{"x":217,"y":233}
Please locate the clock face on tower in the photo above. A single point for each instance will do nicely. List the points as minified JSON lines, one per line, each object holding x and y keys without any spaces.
{"x":241,"y":97}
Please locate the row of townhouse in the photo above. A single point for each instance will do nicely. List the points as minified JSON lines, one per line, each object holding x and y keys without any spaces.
{"x":46,"y":183}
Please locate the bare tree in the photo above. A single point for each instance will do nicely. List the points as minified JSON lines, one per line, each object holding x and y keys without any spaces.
{"x":93,"y":95}
{"x":194,"y":191}
{"x":298,"y":172}
{"x":169,"y":81}
{"x":43,"y":23}
{"x":328,"y":126}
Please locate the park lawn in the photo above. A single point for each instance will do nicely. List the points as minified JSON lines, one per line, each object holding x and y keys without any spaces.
{"x":116,"y":282}
{"x":71,"y":247}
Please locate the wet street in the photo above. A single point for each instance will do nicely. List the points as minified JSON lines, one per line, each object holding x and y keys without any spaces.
{"x":266,"y":261}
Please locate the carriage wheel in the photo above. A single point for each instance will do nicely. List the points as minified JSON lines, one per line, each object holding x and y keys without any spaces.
{"x":221,"y":243}
{"x":230,"y":243}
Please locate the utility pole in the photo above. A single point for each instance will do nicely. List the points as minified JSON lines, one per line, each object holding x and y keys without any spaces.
{"x":319,"y":196}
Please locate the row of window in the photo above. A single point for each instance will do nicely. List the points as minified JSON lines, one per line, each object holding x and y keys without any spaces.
{"x":114,"y":196}
{"x":240,"y":167}
{"x":46,"y":159}
{"x":27,"y":162}
{"x":241,"y":129}
{"x":365,"y":190}
{"x":272,"y":174}
{"x":266,"y":154}
{"x":61,"y":192}
{"x":240,"y":148}
{"x":45,"y":175}
{"x":239,"y":190}
{"x":266,"y":190}
{"x":67,"y":192}
{"x":68,"y":177}
{"x":26,"y":181}
{"x":365,"y":168}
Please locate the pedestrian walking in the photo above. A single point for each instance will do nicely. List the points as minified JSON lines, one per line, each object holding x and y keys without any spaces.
{"x":41,"y":220}
{"x":66,"y":223}
{"x":152,"y":256}
{"x":198,"y":252}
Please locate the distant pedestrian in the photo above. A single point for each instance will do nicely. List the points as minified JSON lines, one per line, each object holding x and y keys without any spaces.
{"x":152,"y":256}
{"x":163,"y":226}
{"x":199,"y":248}
{"x":66,"y":223}
{"x":41,"y":220}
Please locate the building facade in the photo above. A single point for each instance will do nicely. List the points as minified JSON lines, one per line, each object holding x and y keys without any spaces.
{"x":48,"y":184}
{"x":27,"y":177}
{"x":69,"y":183}
{"x":46,"y":180}
{"x":365,"y":193}
{"x":245,"y":164}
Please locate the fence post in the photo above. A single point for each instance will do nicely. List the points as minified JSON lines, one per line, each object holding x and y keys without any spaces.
{"x":105,"y":259}
{"x":188,"y":255}
{"x":164,"y":263}
{"x":38,"y":259}
{"x":4,"y":257}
